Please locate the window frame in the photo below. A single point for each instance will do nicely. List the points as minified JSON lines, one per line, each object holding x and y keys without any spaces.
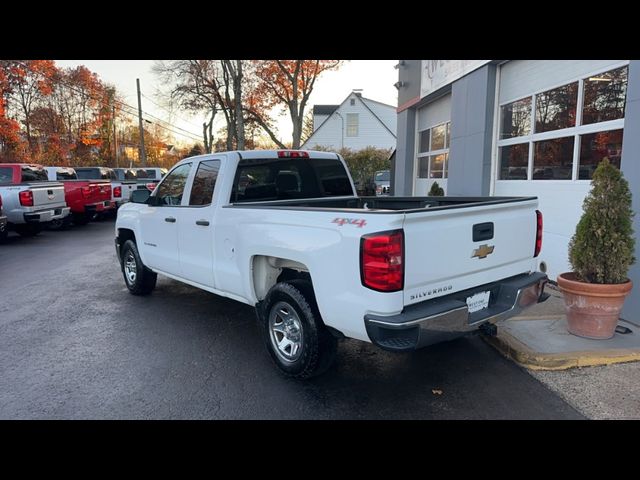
{"x":576,"y":131}
{"x":432,"y":153}
{"x":357,"y":125}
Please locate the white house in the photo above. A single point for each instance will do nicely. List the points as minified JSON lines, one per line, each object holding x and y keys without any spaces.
{"x":356,"y":123}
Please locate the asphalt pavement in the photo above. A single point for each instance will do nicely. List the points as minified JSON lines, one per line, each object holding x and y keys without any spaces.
{"x":74,"y":344}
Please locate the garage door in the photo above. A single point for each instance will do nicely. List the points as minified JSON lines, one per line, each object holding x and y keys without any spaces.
{"x":557,"y":120}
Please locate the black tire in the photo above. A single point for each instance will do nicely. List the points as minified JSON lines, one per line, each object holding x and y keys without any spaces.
{"x":4,"y":233}
{"x":144,"y":280}
{"x":81,"y":218}
{"x":318,"y":347}
{"x":28,"y":229}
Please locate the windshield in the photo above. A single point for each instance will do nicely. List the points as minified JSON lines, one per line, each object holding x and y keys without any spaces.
{"x":382,"y":176}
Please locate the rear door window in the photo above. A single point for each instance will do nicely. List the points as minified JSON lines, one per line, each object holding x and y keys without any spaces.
{"x":204,"y":183}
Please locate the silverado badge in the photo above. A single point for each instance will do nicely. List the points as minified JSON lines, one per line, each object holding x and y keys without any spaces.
{"x":482,"y":251}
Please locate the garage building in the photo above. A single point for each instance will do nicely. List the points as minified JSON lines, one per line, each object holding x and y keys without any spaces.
{"x":521,"y":127}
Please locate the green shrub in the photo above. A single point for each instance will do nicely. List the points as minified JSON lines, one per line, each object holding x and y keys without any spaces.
{"x":436,"y":190}
{"x":601,"y":251}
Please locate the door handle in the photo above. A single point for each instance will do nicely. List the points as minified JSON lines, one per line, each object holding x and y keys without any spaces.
{"x":204,"y":223}
{"x":170,"y":219}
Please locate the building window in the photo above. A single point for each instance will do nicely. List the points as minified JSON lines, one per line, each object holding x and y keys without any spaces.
{"x":562,"y":135}
{"x":516,"y":118}
{"x":513,"y":161}
{"x":433,"y":151}
{"x":352,"y":102}
{"x":556,"y":109}
{"x":352,"y":124}
{"x":596,"y":146}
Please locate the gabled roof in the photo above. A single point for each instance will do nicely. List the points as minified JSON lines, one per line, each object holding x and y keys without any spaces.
{"x":362,"y":99}
{"x":324,"y":109}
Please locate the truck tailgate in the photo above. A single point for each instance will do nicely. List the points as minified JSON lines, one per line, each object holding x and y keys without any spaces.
{"x":441,"y":256}
{"x":47,"y":194}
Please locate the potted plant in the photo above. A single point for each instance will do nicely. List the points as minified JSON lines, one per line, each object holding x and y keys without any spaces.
{"x":600,"y":253}
{"x":436,"y":190}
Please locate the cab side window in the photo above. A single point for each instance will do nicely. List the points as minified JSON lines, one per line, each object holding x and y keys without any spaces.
{"x":172,"y":187}
{"x":204,"y":183}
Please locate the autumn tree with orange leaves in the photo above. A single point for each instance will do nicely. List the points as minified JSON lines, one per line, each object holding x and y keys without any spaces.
{"x":288,"y":84}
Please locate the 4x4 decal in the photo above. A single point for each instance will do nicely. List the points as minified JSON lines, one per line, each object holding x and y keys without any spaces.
{"x":360,"y":222}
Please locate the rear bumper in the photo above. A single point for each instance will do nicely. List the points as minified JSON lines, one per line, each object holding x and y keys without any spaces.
{"x":43,"y":216}
{"x":448,"y":317}
{"x":100,"y":207}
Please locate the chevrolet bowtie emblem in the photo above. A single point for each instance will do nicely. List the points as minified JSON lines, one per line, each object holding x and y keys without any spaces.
{"x":482,"y":251}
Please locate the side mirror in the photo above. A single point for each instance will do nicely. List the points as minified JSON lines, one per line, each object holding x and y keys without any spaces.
{"x":140,"y":196}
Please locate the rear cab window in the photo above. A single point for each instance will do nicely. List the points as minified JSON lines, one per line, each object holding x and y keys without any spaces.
{"x":6,"y":175}
{"x":289,"y":178}
{"x":66,"y":174}
{"x":32,"y":173}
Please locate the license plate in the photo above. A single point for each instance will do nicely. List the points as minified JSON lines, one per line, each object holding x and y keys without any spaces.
{"x":478,"y":301}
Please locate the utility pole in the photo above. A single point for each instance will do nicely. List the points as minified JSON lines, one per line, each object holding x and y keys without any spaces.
{"x":143,"y":154}
{"x":115,"y":136}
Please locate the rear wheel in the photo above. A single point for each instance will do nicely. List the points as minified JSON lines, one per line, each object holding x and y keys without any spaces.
{"x":297,"y":340}
{"x":28,"y":229}
{"x":138,"y":278}
{"x":60,"y":223}
{"x":4,"y":232}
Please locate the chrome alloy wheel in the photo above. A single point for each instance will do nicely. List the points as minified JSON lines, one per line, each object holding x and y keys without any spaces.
{"x":130,"y":267}
{"x":285,"y":332}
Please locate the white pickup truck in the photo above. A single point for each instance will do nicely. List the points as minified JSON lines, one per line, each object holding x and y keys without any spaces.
{"x":284,"y":231}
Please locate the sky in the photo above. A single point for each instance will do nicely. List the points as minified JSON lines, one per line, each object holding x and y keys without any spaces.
{"x":374,"y":77}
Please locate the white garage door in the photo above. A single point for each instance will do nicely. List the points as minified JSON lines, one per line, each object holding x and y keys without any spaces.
{"x":556,"y":121}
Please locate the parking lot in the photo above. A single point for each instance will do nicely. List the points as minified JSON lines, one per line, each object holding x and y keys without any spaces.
{"x":75,"y":344}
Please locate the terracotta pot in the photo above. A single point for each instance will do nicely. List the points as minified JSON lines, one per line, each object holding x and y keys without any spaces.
{"x":592,"y":309}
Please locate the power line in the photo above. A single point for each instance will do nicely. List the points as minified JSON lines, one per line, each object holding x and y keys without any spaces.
{"x":169,"y":111}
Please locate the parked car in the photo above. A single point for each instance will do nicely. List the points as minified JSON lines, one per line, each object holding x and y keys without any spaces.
{"x":319,"y":263}
{"x":30,"y":200}
{"x":120,"y":189}
{"x":4,"y":230}
{"x":86,"y":198}
{"x":382,"y":182}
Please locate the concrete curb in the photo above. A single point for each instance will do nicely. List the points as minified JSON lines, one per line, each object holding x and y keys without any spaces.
{"x":514,"y":349}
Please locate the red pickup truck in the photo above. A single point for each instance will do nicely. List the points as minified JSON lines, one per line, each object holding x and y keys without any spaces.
{"x":87,"y":198}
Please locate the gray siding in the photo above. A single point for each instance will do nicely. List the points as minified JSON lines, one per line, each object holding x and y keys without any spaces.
{"x":631,"y":168}
{"x":409,"y":74}
{"x":472,"y":105}
{"x":436,"y":112}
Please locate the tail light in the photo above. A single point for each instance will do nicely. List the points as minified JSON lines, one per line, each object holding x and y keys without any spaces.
{"x":382,"y":261}
{"x":26,"y":198}
{"x":117,"y":192}
{"x":292,"y":154}
{"x":538,"y":233}
{"x":151,"y":186}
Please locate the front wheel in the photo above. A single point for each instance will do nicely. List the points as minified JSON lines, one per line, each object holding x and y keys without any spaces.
{"x":297,"y":340}
{"x":139,"y":279}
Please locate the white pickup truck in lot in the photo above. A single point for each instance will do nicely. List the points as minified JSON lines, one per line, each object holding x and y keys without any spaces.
{"x":284,"y":231}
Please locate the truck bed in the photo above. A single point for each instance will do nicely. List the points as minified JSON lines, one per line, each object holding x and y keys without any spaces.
{"x":381,"y":204}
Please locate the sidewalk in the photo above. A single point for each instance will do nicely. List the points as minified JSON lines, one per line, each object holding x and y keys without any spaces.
{"x":538,"y":340}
